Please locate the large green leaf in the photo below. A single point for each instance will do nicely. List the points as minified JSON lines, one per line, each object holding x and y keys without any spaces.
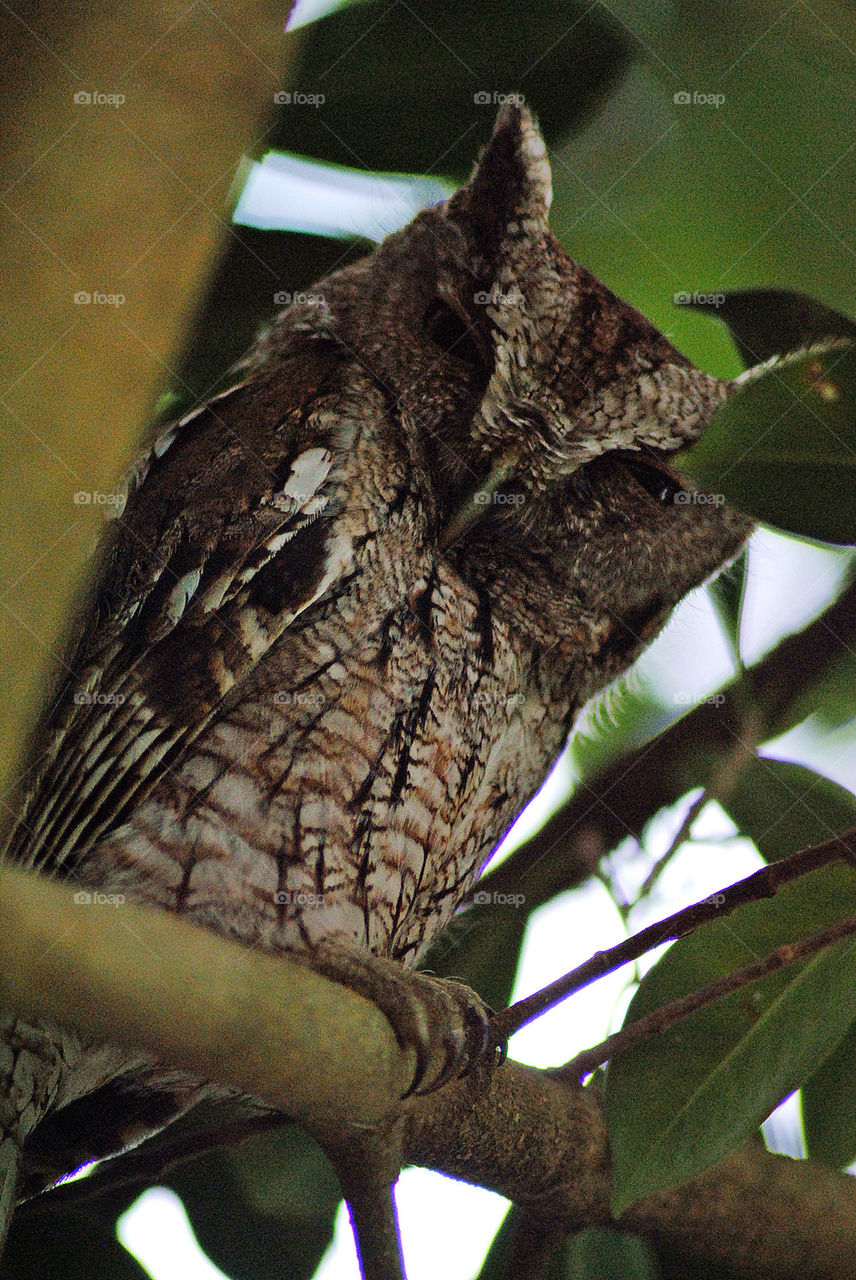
{"x":834,"y":696}
{"x":783,"y":448}
{"x":381,"y":69}
{"x":726,"y":592}
{"x":594,"y":1254}
{"x":785,"y":807}
{"x":262,"y":1209}
{"x":770,"y":322}
{"x":829,"y":1107}
{"x":69,"y":1244}
{"x":481,"y":946}
{"x":684,"y":1099}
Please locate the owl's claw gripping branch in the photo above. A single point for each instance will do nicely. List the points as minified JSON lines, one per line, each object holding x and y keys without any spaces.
{"x":444,"y":1022}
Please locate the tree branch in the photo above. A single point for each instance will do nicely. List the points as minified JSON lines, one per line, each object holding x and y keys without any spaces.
{"x":269,"y":1026}
{"x":210,"y":1006}
{"x":543,"y":1143}
{"x":761,"y":884}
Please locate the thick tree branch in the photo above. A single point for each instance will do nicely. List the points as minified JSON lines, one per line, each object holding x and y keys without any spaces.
{"x":544,"y":1144}
{"x":224,"y":1012}
{"x":273,"y":1028}
{"x":124,"y":128}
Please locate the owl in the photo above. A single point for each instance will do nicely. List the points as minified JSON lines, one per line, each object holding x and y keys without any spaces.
{"x":345,"y":621}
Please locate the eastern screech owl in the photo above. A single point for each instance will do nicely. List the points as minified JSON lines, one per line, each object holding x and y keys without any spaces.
{"x":353,"y":605}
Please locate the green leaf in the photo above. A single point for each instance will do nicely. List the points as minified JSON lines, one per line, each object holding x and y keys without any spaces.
{"x":783,"y":447}
{"x":834,"y":695}
{"x":682,"y":1100}
{"x":481,"y":946}
{"x":726,"y":592}
{"x":593,"y":1254}
{"x":829,"y":1107}
{"x":75,"y":1244}
{"x":785,"y":807}
{"x":621,"y":718}
{"x":264,"y":1208}
{"x":600,"y":1254}
{"x":770,"y":322}
{"x":472,"y":48}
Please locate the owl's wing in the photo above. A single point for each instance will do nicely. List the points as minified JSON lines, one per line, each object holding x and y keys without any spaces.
{"x":229,"y":534}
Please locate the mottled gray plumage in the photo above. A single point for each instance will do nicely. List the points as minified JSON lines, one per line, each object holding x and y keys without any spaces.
{"x":353,"y":605}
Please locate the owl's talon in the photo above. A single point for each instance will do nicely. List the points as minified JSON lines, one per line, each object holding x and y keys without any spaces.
{"x":442,"y":1021}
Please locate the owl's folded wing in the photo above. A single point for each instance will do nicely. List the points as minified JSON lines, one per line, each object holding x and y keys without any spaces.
{"x":228,"y":535}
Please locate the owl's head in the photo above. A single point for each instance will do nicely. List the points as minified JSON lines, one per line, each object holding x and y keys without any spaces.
{"x":525,"y":376}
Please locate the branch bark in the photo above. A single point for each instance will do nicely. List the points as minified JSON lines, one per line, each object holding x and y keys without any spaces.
{"x":544,"y":1144}
{"x":267,"y":1025}
{"x":112,"y":199}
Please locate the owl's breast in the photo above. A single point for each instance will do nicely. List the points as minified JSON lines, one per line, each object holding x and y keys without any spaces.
{"x":359,"y":785}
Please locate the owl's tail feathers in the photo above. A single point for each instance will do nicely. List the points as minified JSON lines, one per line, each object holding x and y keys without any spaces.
{"x":10,"y":1165}
{"x":33,"y":1063}
{"x":31,"y":1068}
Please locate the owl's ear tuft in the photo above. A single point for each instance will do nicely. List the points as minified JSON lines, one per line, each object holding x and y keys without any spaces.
{"x":511,"y":184}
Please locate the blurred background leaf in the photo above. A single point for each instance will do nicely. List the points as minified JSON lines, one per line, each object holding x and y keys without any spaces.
{"x":782,"y":448}
{"x":770,"y":322}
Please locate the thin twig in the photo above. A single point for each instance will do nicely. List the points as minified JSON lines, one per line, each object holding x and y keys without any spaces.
{"x":762,"y":884}
{"x":680,"y":836}
{"x":662,"y":1019}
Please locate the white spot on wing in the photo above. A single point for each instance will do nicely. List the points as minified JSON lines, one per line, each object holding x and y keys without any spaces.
{"x":177,"y":599}
{"x":308,"y":472}
{"x":163,"y":442}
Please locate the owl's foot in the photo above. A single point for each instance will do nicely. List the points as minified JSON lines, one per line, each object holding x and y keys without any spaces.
{"x":444,"y":1022}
